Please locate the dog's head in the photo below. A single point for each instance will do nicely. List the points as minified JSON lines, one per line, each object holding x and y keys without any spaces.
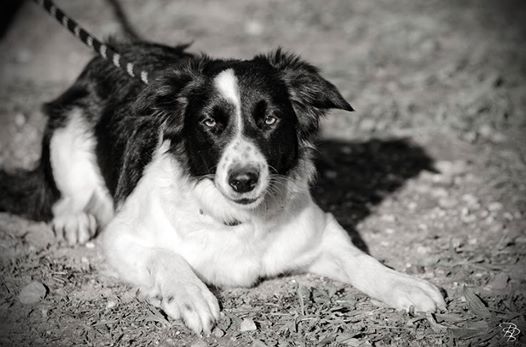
{"x":242,"y":123}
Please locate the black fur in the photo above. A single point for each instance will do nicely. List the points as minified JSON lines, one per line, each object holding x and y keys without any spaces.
{"x":129,"y":119}
{"x":30,"y":193}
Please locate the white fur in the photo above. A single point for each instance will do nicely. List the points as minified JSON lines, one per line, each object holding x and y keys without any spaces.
{"x":84,"y":198}
{"x":170,"y":233}
{"x":226,"y":84}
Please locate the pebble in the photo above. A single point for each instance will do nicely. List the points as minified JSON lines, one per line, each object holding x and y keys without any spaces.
{"x":470,"y":199}
{"x":199,"y":343}
{"x":495,"y":206}
{"x":388,"y":218}
{"x":20,"y":120}
{"x":110,"y":304}
{"x":32,"y":293}
{"x":470,"y":218}
{"x":247,"y":324}
{"x":423,"y":249}
{"x":90,"y":245}
{"x":218,"y":333}
{"x":499,"y":282}
{"x":508,"y":216}
{"x":451,"y":168}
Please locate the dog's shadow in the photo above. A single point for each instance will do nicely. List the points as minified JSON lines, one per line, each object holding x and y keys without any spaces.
{"x":353,"y":177}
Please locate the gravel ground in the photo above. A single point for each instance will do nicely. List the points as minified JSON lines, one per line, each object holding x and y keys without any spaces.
{"x":428,"y":175}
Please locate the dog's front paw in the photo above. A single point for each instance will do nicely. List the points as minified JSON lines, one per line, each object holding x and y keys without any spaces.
{"x":192,"y":302}
{"x":402,"y":291}
{"x":74,"y":228}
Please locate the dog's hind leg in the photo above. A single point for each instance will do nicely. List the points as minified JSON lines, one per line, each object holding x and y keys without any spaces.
{"x":84,"y":200}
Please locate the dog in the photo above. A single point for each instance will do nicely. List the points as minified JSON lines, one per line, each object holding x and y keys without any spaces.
{"x":200,"y":177}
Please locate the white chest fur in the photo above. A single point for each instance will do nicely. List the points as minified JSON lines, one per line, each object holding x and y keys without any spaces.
{"x":166,"y":211}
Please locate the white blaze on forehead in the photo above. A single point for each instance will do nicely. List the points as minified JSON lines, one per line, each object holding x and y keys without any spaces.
{"x":226,"y":84}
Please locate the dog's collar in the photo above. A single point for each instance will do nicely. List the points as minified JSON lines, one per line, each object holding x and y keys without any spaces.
{"x":228,"y":223}
{"x":232,"y":223}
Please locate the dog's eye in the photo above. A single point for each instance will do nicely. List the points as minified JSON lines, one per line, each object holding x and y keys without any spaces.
{"x":270,"y":120}
{"x":210,"y":122}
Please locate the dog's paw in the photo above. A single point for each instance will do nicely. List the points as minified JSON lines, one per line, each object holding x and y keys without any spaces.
{"x":74,"y":228}
{"x":402,"y":291}
{"x":192,"y":302}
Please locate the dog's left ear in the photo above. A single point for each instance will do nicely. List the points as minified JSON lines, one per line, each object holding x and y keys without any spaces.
{"x":164,"y":98}
{"x":311,"y":95}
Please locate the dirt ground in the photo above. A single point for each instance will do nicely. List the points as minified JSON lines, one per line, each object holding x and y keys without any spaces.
{"x":429,"y":175}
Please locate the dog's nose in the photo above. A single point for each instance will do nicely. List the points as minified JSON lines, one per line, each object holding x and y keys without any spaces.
{"x":244,"y":180}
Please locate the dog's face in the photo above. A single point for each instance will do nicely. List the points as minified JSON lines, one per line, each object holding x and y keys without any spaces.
{"x":243,"y":123}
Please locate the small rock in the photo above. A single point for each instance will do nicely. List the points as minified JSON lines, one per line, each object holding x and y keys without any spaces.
{"x":110,"y":304}
{"x":247,"y":324}
{"x":508,"y":216}
{"x":32,"y":293}
{"x":44,"y":312}
{"x":499,"y":282}
{"x":388,"y":218}
{"x":470,"y":199}
{"x":90,"y":245}
{"x":486,"y":131}
{"x":199,"y":343}
{"x":473,"y":241}
{"x":218,"y":333}
{"x":423,"y":249}
{"x":20,"y":120}
{"x":451,"y":168}
{"x":468,"y":219}
{"x":495,"y":206}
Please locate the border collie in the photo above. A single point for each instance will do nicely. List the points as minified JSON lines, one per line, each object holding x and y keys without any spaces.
{"x":201,"y":177}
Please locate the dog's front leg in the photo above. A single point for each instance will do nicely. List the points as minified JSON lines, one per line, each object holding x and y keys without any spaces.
{"x":339,"y":259}
{"x":163,"y":276}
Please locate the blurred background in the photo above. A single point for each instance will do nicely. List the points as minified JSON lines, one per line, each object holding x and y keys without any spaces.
{"x":429,"y":173}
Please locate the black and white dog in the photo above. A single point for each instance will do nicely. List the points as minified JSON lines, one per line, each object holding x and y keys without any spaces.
{"x":202,"y":176}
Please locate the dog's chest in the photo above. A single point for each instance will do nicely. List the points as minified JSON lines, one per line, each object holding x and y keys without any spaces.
{"x":229,"y":256}
{"x":171,"y":218}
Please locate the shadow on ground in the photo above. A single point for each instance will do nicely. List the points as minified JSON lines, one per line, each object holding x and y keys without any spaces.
{"x":356,"y":176}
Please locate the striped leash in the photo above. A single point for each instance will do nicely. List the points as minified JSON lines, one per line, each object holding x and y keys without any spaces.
{"x":101,"y":49}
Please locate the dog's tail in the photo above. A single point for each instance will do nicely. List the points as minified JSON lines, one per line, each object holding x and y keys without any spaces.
{"x":28,"y":193}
